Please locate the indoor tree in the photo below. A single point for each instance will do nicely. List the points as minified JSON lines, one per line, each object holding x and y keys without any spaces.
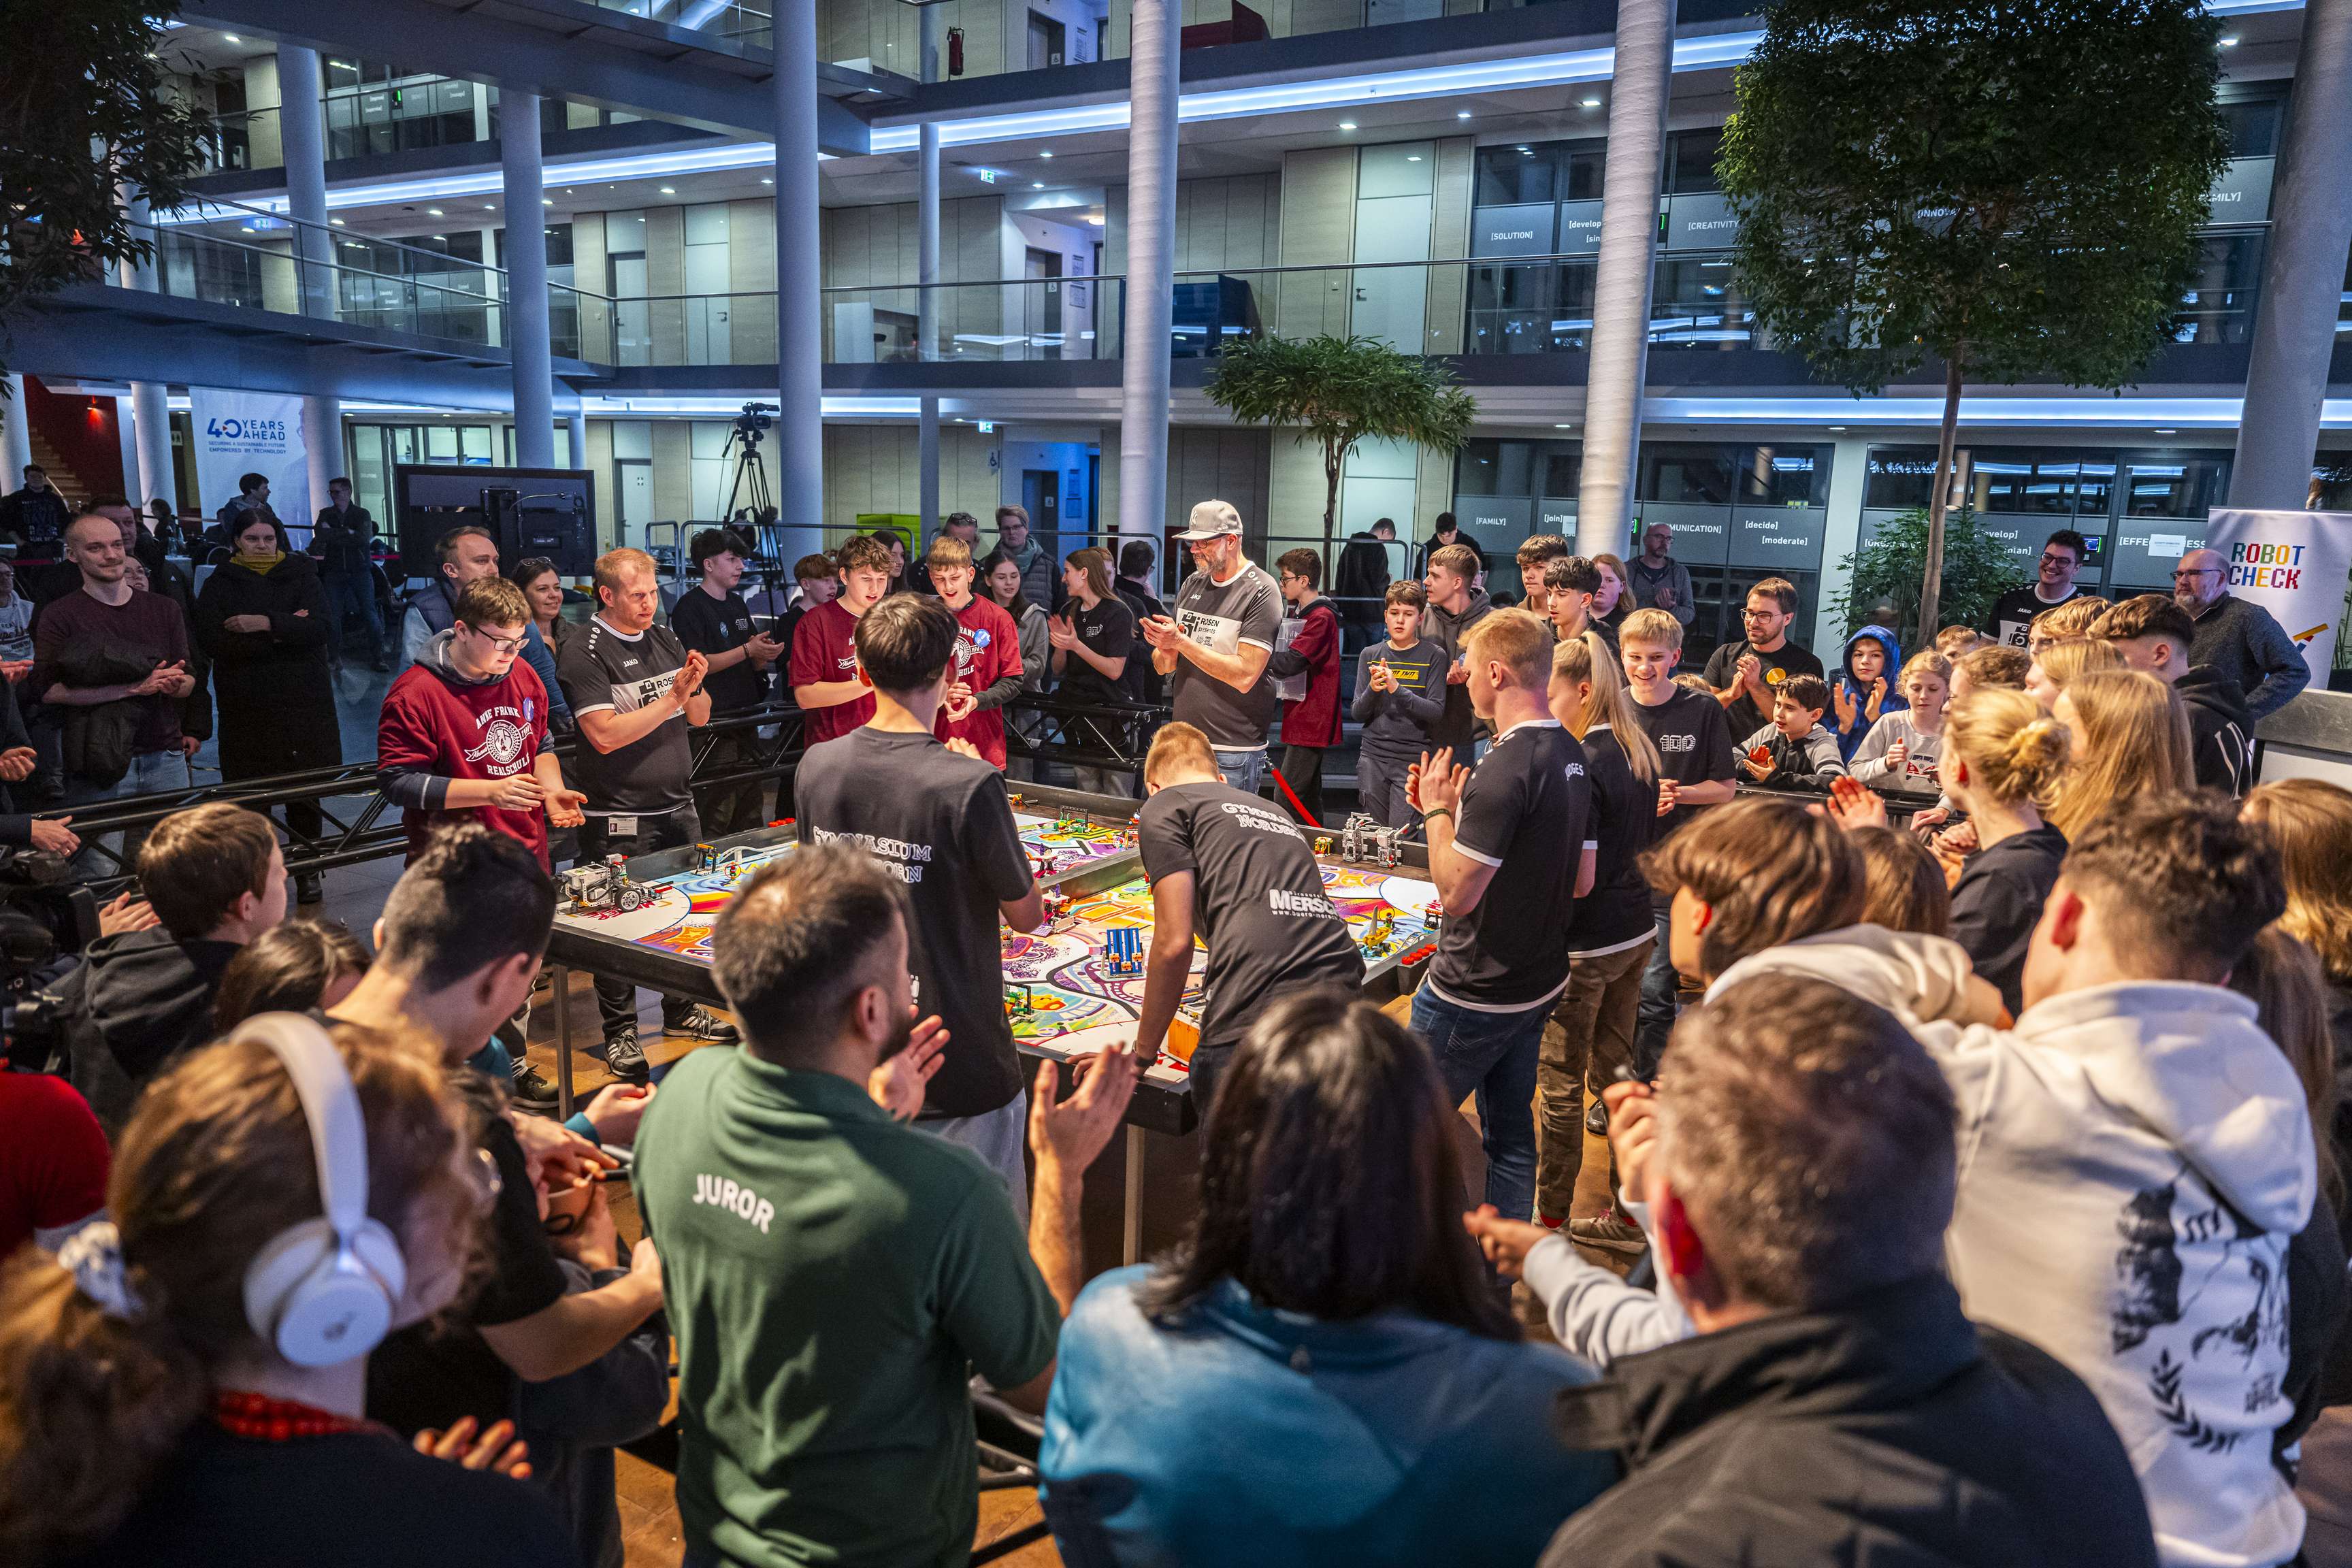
{"x":1336,"y":392}
{"x":86,"y":113}
{"x":2013,"y":187}
{"x":1891,"y":570}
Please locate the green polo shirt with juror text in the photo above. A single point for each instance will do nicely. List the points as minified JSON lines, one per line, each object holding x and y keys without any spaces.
{"x":833,"y":1279}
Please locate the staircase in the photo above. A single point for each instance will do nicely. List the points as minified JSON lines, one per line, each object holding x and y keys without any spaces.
{"x":70,"y":484}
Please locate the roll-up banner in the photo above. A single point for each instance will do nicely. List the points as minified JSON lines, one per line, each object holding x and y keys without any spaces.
{"x":2292,"y":563}
{"x":240,"y":433}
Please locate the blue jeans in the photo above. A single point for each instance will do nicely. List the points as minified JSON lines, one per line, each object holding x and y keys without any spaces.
{"x":347,"y":592}
{"x":1245,"y":770}
{"x":1493,"y":1055}
{"x":151,"y":772}
{"x":1660,"y":1003}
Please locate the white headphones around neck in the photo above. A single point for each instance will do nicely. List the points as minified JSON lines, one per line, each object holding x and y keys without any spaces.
{"x":322,"y":1291}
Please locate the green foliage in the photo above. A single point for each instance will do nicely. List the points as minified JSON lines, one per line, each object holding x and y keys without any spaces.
{"x":1978,"y":569}
{"x":84,"y":110}
{"x":1338,"y":391}
{"x":2014,"y":186}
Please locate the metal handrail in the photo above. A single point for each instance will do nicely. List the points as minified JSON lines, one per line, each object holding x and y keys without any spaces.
{"x":1180,"y":272}
{"x":442,"y":262}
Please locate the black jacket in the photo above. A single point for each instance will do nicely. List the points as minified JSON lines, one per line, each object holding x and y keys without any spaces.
{"x":2220,"y":729}
{"x":344,"y":541}
{"x":1890,"y":1431}
{"x":277,"y":695}
{"x":134,"y":1005}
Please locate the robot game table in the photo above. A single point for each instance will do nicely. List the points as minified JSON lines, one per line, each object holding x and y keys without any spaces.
{"x":1071,"y":988}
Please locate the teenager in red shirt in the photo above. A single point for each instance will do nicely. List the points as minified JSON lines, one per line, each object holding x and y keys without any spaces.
{"x":1307,"y":673}
{"x":832,"y":691}
{"x":52,"y":1162}
{"x":987,"y":673}
{"x":463,"y":729}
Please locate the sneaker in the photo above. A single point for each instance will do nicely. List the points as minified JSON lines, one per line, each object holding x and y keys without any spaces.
{"x":1596,"y":1118}
{"x":699,"y":1023}
{"x":1612,"y":1232}
{"x":531,"y":1091}
{"x":622,"y":1056}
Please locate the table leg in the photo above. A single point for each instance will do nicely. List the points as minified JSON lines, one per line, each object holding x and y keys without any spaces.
{"x":1131,"y":1247}
{"x":561,"y":985}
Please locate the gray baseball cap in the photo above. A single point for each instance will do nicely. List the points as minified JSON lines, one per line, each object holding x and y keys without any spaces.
{"x":1212,"y":519}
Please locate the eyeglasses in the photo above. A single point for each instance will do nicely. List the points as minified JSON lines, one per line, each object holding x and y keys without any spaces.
{"x":2052,"y":558}
{"x":504,"y":645}
{"x":2191,"y":573}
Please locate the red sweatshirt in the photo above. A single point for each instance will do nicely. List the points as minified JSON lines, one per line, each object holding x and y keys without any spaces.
{"x":1313,"y":719}
{"x":435,"y":728}
{"x":988,"y":649}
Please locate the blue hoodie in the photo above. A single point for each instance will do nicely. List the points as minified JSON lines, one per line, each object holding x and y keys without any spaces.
{"x":1860,"y":690}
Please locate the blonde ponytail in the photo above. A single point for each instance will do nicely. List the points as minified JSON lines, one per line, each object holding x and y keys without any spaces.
{"x":2014,"y":753}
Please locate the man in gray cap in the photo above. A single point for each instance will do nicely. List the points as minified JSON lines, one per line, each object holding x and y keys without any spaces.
{"x":1217,"y":643}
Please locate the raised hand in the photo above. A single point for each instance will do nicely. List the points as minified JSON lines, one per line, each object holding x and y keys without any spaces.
{"x":564,"y":807}
{"x":898,"y":1085}
{"x":688,"y":678}
{"x":1854,"y":804}
{"x":1506,"y":1242}
{"x":1072,"y":1132}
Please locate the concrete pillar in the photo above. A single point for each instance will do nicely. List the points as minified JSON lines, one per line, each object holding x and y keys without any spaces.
{"x":800,"y":338}
{"x":2311,"y":229}
{"x":1620,"y":306}
{"x":16,"y":437}
{"x":147,"y":474}
{"x":1150,"y":262}
{"x":926,"y":273}
{"x":525,"y":258}
{"x":575,"y":427}
{"x":303,"y":128}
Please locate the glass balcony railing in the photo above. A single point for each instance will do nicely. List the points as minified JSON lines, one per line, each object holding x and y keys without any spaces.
{"x":742,"y":21}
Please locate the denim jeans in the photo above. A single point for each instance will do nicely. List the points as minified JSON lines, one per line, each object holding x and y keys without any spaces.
{"x":1493,"y":1055}
{"x":348,"y":592}
{"x":151,"y":772}
{"x":1661,"y":1001}
{"x":998,"y":1137}
{"x":1245,"y":770}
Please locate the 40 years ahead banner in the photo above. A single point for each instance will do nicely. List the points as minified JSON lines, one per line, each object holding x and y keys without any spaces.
{"x":240,"y":433}
{"x":2292,"y":563}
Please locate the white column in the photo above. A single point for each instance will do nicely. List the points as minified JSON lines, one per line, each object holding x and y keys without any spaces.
{"x":1620,"y":306}
{"x":148,"y":410}
{"x":525,"y":258}
{"x":302,"y":127}
{"x":800,"y":338}
{"x":1150,"y":261}
{"x":15,"y":437}
{"x":576,"y":428}
{"x":2311,"y":230}
{"x":927,"y":272}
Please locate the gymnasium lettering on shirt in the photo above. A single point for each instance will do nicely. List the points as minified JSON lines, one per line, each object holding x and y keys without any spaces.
{"x":725,"y":1193}
{"x":1264,"y":821}
{"x":1283,"y":901}
{"x":906,"y":859}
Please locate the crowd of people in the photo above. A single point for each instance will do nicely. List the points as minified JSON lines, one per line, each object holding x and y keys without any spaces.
{"x":1961,"y":1026}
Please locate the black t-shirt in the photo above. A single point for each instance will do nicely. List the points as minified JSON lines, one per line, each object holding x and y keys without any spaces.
{"x":429,"y":1376}
{"x":1693,"y":741}
{"x":712,"y":627}
{"x":1258,"y":900}
{"x":1145,"y":684}
{"x":1784,"y":661}
{"x":1524,"y":814}
{"x":941,"y":822}
{"x":1109,"y":630}
{"x":604,"y":670}
{"x":357,"y":1500}
{"x":1998,"y":901}
{"x":2013,"y":613}
{"x":1625,"y":816}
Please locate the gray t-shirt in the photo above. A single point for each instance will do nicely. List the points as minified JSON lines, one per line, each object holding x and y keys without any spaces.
{"x":1246,"y":608}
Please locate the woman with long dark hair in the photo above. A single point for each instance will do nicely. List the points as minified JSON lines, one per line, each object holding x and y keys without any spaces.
{"x":1324,"y":1372}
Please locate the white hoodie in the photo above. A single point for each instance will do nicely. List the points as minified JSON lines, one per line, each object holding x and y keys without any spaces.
{"x":2133,"y":1160}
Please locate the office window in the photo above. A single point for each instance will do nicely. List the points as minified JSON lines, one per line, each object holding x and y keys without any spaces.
{"x":2218,"y":306}
{"x":1785,"y":476}
{"x":2042,"y":484}
{"x":2254,"y":125}
{"x":1511,"y":309}
{"x":1700,"y":476}
{"x":1517,"y":172}
{"x":1899,"y":478}
{"x":2183,"y":487}
{"x":1690,"y":160}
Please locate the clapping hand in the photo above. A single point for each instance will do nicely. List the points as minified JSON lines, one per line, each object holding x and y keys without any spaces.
{"x":898,"y":1085}
{"x":1383,"y":679}
{"x":1749,"y":674}
{"x":123,"y":912}
{"x":1854,"y":804}
{"x":1060,"y":633}
{"x":963,"y":748}
{"x":1073,"y":1130}
{"x":1898,"y":753}
{"x":1434,"y":784}
{"x":765,"y":649}
{"x":960,"y":703}
{"x":1668,"y":793}
{"x":18,"y":763}
{"x":498,"y":1451}
{"x":1841,"y":695}
{"x":520,"y":793}
{"x":688,"y":678}
{"x":1877,"y":697}
{"x":1161,"y":632}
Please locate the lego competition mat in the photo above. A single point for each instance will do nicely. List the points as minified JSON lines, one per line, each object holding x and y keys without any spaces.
{"x":1078,"y":985}
{"x":680,"y":910}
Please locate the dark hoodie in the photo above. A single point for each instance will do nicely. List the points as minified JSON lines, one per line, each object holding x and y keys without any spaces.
{"x":1449,"y":631}
{"x":135,"y":1003}
{"x":2220,"y":729}
{"x":1850,"y":737}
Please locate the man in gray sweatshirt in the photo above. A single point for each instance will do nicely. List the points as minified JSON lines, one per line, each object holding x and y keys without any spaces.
{"x":1454,"y":606}
{"x":2240,"y":641}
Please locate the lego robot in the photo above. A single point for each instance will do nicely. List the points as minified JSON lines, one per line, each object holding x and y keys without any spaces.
{"x":1019,"y":1003}
{"x":605,"y":888}
{"x":1368,"y":842}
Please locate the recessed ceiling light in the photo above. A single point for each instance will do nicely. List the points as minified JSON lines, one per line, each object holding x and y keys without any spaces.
{"x":1461,"y":114}
{"x":1589,"y":102}
{"x":1837,"y":426}
{"x":2167,"y":432}
{"x":336,"y":221}
{"x":1045,"y":155}
{"x":767,"y":182}
{"x":433,"y":212}
{"x":1563,"y":426}
{"x":1347,"y":125}
{"x":2229,"y":43}
{"x":232,"y":38}
{"x":670,"y":190}
{"x":1096,"y":219}
{"x":545,"y":202}
{"x":1412,"y":157}
{"x":1037,"y":185}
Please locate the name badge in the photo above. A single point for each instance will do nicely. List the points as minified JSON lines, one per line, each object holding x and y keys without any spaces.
{"x":621,"y":826}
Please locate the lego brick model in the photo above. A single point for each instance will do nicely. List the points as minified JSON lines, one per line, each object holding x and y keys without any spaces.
{"x":605,"y":888}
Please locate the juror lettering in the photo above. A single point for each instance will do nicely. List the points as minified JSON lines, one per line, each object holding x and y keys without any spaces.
{"x":2265,"y":566}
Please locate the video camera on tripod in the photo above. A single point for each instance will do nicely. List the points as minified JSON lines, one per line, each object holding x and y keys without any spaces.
{"x":750,"y":486}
